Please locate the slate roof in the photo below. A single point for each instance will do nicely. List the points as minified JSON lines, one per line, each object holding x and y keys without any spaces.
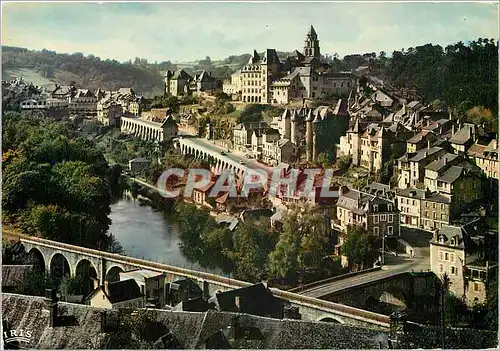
{"x":123,"y":291}
{"x":13,"y":274}
{"x":424,"y":153}
{"x":418,"y":137}
{"x":439,"y":164}
{"x":411,"y":192}
{"x":451,"y":175}
{"x":181,"y":74}
{"x":463,"y":135}
{"x":190,"y":329}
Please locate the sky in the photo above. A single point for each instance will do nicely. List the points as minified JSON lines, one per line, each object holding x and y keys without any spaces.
{"x":182,"y":32}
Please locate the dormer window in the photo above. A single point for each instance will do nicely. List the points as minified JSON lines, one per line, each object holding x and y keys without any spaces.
{"x":389,"y":207}
{"x":441,"y":239}
{"x":453,"y":241}
{"x":375,"y":208}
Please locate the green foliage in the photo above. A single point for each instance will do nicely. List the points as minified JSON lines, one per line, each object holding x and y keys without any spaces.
{"x":57,"y":185}
{"x":251,"y":113}
{"x":324,"y":159}
{"x":171,"y":102}
{"x":344,"y":162}
{"x":302,"y":244}
{"x":456,"y":74}
{"x":251,"y":246}
{"x":360,"y":248}
{"x":479,"y":115}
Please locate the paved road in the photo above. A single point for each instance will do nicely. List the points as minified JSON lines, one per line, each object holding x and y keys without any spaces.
{"x":394,"y":265}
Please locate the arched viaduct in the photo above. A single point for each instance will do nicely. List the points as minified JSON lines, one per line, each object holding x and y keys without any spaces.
{"x":104,"y":262}
{"x":218,"y":161}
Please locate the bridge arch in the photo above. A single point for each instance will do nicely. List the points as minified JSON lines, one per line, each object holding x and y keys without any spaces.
{"x":328,"y":318}
{"x":86,"y":272}
{"x":113,"y":273}
{"x":59,"y":266}
{"x":37,"y":259}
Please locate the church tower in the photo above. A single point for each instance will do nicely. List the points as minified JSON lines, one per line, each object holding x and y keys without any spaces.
{"x":311,"y":46}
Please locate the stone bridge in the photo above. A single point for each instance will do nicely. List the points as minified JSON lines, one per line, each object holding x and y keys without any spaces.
{"x":46,"y":252}
{"x":218,"y":157}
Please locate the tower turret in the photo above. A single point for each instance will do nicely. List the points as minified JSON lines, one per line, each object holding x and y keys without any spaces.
{"x":311,"y":45}
{"x":309,"y":136}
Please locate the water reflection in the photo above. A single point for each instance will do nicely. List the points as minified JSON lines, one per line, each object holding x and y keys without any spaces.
{"x":146,"y":233}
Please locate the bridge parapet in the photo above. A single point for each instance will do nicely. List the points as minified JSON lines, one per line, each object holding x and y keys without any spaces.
{"x":311,"y":308}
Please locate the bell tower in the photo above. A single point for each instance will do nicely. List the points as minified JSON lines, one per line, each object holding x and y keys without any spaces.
{"x":311,"y":45}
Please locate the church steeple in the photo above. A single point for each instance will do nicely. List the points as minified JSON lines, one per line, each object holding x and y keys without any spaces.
{"x":311,"y":46}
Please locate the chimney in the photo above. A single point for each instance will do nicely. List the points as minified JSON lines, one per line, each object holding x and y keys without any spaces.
{"x":51,"y":296}
{"x":96,"y":283}
{"x":445,"y":160}
{"x":435,"y":235}
{"x":428,"y":143}
{"x":452,"y":129}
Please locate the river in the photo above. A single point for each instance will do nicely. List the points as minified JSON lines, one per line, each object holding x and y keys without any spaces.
{"x":148,"y":234}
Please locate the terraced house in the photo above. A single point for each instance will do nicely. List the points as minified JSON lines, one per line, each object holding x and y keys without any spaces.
{"x":486,"y":158}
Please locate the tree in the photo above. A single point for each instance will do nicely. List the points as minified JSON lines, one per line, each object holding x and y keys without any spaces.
{"x":343,"y":162}
{"x":302,"y":244}
{"x":251,"y":247}
{"x":360,"y":247}
{"x":35,"y":283}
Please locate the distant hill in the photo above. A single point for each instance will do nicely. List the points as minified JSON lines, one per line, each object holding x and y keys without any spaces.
{"x":47,"y":67}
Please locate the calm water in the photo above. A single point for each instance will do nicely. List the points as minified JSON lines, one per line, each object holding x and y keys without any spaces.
{"x":146,"y":233}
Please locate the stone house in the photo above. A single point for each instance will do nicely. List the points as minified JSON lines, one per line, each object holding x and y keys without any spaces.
{"x":411,"y":166}
{"x":465,"y":254}
{"x":151,"y":284}
{"x":380,"y":217}
{"x":242,"y":134}
{"x":275,"y":152}
{"x":464,"y":138}
{"x":175,"y":82}
{"x":83,"y":103}
{"x":233,"y":86}
{"x":121,"y":294}
{"x":200,"y":195}
{"x":435,"y":211}
{"x":409,"y":202}
{"x":486,"y":158}
{"x":420,"y":140}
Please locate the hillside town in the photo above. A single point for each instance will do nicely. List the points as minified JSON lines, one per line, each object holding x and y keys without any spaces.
{"x":413,"y":178}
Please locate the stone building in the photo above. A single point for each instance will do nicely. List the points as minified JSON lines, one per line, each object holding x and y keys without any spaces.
{"x":379,"y":216}
{"x":176,"y":81}
{"x":466,"y":254}
{"x":464,"y":137}
{"x":242,"y":134}
{"x":233,"y":86}
{"x":109,"y":112}
{"x":266,"y":79}
{"x":411,"y":166}
{"x":121,"y":294}
{"x":486,"y":158}
{"x":83,"y":103}
{"x":374,"y":145}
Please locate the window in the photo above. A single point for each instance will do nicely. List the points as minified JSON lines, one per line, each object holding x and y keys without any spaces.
{"x":375,"y":208}
{"x":382,"y":217}
{"x":389,"y":207}
{"x":443,"y":217}
{"x":453,"y":270}
{"x":389,"y":230}
{"x":414,"y":202}
{"x":434,"y":205}
{"x":446,"y":256}
{"x":442,"y":206}
{"x":375,"y":230}
{"x":375,"y":219}
{"x":440,"y":268}
{"x":426,"y":204}
{"x":476,"y":286}
{"x":426,"y":213}
{"x":435,"y":215}
{"x":389,"y":218}
{"x":452,"y":257}
{"x":440,"y":255}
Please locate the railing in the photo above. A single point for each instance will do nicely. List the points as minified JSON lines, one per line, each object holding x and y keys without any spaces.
{"x":332,"y":279}
{"x":343,"y":310}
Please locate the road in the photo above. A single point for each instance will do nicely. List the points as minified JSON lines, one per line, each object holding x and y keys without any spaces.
{"x":394,"y":265}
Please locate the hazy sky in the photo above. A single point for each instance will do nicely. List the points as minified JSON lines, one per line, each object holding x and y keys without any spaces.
{"x":189,"y":31}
